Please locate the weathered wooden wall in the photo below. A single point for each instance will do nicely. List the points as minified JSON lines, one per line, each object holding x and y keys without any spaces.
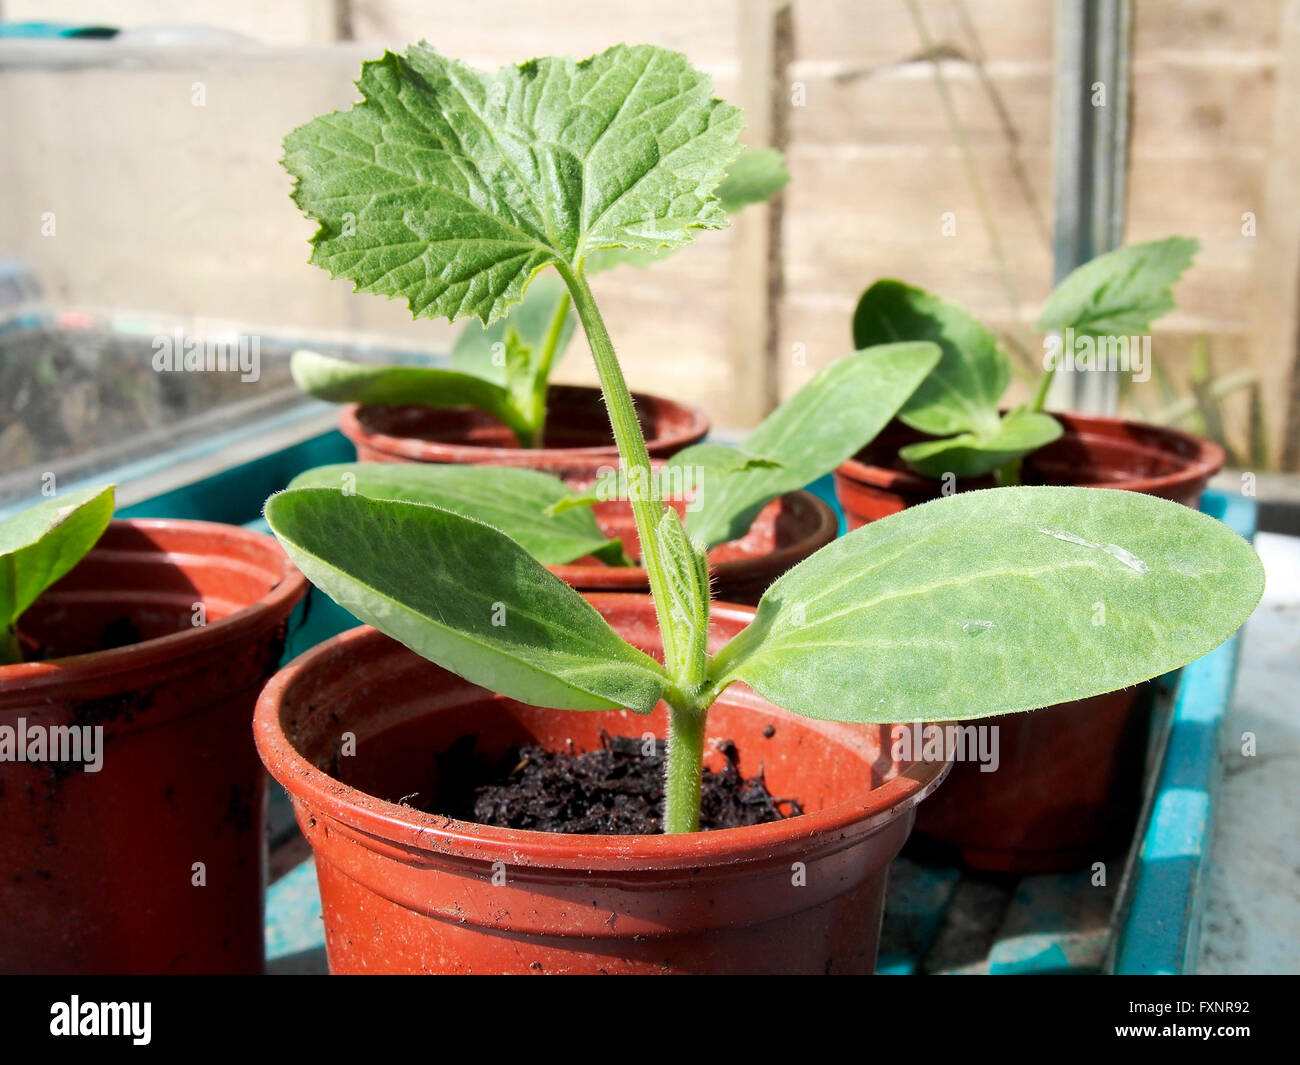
{"x":876,"y":166}
{"x":177,"y":208}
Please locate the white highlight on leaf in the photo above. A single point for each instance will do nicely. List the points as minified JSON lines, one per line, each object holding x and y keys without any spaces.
{"x":1126,"y":558}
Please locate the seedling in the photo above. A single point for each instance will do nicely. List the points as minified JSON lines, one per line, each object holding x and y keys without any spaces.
{"x":1104,"y":306}
{"x":38,"y":546}
{"x":462,"y":185}
{"x":503,"y":368}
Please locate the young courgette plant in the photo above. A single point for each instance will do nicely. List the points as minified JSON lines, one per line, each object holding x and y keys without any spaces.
{"x":38,"y":546}
{"x":462,"y":185}
{"x":1114,"y":296}
{"x":503,"y":368}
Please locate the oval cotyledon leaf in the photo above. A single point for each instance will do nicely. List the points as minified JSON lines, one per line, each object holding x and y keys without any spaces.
{"x":992,"y":602}
{"x":838,"y":412}
{"x":465,"y":596}
{"x":526,"y":505}
{"x":965,"y":389}
{"x":41,"y":544}
{"x":343,"y":381}
{"x":972,"y":455}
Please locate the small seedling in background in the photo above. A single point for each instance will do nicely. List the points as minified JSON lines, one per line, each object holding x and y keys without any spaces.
{"x":1117,"y":294}
{"x":38,"y":546}
{"x":464,"y":185}
{"x":503,"y":368}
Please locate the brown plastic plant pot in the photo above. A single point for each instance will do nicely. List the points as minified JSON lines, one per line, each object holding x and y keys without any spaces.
{"x":577,"y":439}
{"x":404,"y":891}
{"x":1094,"y":451}
{"x":102,"y":869}
{"x":786,"y":531}
{"x":1065,"y":794}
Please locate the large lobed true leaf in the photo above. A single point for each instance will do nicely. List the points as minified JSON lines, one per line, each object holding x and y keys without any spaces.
{"x":996,"y":601}
{"x":451,"y":187}
{"x":833,"y":416}
{"x":487,"y":352}
{"x":518,"y":502}
{"x":1121,"y":292}
{"x":42,"y":543}
{"x":464,"y":595}
{"x":757,"y":175}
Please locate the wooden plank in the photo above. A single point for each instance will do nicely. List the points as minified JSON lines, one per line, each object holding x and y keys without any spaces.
{"x":509,"y":31}
{"x":295,"y":932}
{"x":915,"y":906}
{"x":1182,"y":107}
{"x":1055,"y":924}
{"x":755,"y":265}
{"x":1177,"y":47}
{"x":1203,"y":106}
{"x":1205,"y":26}
{"x":881,"y":33}
{"x":899,"y":104}
{"x":1277,"y":278}
{"x":841,"y":254}
{"x":840,"y":236}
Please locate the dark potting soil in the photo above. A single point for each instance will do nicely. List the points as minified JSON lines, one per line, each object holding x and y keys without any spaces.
{"x":120,"y":632}
{"x":614,"y":790}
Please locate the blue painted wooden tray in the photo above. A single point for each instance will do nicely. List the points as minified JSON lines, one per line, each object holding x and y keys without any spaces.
{"x":1146,"y":919}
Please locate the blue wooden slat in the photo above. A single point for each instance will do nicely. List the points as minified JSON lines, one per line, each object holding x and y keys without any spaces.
{"x":1160,"y":924}
{"x":824,"y":489}
{"x":915,"y":907}
{"x":1057,"y":923}
{"x":293,"y":915}
{"x":238,"y":483}
{"x":236,"y":495}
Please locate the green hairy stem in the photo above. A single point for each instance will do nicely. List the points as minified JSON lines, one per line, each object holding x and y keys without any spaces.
{"x":686,"y":724}
{"x":685,"y":770}
{"x":632,"y":449}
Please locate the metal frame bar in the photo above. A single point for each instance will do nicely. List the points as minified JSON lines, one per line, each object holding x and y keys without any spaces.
{"x":1090,"y":159}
